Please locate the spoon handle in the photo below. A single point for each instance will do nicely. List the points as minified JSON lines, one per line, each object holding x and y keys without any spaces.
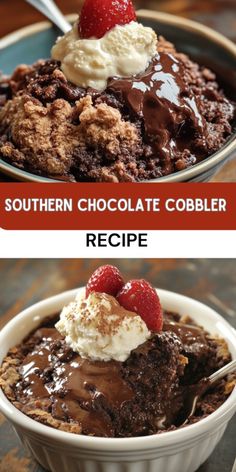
{"x":234,"y":467}
{"x":51,"y":11}
{"x":227,"y":369}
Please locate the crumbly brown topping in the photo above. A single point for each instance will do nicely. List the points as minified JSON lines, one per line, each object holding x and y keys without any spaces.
{"x":230,"y":384}
{"x":44,"y":135}
{"x":222,"y":350}
{"x":47,"y":419}
{"x":47,"y":137}
{"x":103,"y":126}
{"x":183,"y":360}
{"x":9,"y":375}
{"x":17,"y":79}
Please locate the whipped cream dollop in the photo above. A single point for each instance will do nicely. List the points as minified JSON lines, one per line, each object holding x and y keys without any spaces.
{"x":99,"y":328}
{"x":122,"y":52}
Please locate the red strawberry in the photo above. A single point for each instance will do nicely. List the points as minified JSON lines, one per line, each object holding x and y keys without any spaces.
{"x":106,"y":279}
{"x":99,"y":16}
{"x":139,"y":296}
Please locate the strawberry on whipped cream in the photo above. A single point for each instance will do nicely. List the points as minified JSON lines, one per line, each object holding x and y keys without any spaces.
{"x":125,"y":48}
{"x":110,"y":318}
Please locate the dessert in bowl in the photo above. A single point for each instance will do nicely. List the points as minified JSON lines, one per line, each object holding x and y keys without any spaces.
{"x":104,"y":400}
{"x":121,"y":107}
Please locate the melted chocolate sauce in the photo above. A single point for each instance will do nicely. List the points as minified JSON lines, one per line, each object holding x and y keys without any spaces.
{"x":75,"y":384}
{"x":164,"y":100}
{"x":188,"y":334}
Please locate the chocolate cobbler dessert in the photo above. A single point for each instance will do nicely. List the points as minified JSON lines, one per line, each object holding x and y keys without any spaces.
{"x":113,"y":364}
{"x":113,"y":104}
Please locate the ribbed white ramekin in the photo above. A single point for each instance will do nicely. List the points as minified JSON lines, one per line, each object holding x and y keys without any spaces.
{"x":178,"y":451}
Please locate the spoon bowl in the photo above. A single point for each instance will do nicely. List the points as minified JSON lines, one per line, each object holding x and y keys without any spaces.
{"x":196,"y":391}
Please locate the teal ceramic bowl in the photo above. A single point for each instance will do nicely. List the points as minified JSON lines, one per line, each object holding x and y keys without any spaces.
{"x":201,"y":43}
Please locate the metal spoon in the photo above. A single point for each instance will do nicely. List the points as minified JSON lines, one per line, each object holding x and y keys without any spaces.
{"x":194,"y":392}
{"x":234,"y":467}
{"x":49,"y":9}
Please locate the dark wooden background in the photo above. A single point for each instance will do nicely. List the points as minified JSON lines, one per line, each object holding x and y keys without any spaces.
{"x":218,"y":14}
{"x":24,"y":282}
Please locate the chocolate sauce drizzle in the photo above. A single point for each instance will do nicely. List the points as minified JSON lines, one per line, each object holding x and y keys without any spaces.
{"x":165,"y":102}
{"x":75,"y":386}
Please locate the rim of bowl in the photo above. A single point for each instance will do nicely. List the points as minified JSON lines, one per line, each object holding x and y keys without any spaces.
{"x":181,"y":176}
{"x":118,"y":445}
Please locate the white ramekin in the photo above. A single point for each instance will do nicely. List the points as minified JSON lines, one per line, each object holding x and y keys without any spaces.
{"x":183,"y":450}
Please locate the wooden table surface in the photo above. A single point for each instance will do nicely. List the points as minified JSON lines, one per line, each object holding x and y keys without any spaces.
{"x":218,"y":14}
{"x":24,"y":282}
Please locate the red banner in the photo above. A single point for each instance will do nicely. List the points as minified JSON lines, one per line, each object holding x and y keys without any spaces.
{"x":117,"y":207}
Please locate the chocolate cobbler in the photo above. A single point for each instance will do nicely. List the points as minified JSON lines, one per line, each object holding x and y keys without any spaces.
{"x":49,"y":382}
{"x":75,"y":372}
{"x":145,"y":122}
